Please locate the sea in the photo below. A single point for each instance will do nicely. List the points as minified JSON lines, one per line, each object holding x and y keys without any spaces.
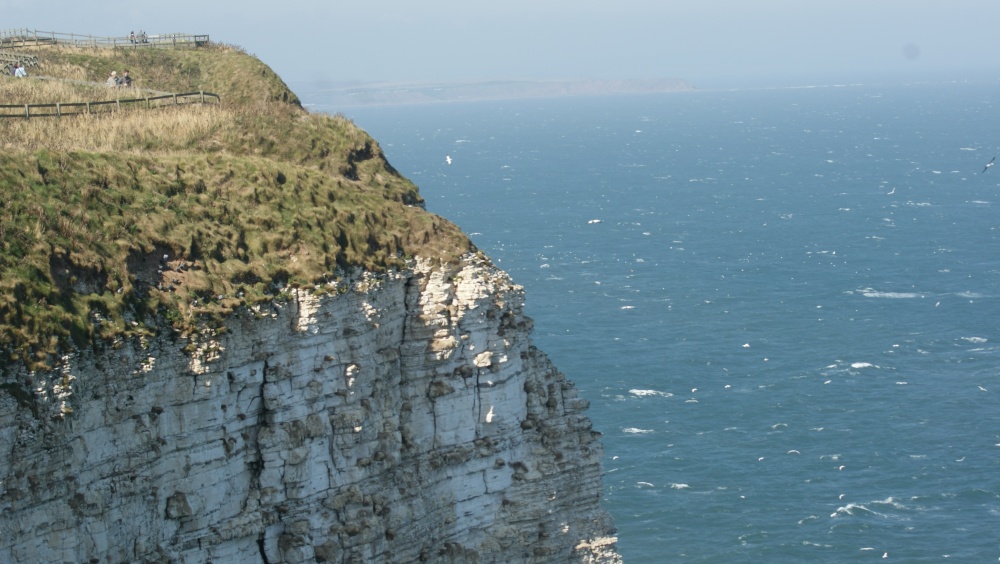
{"x":783,"y":304}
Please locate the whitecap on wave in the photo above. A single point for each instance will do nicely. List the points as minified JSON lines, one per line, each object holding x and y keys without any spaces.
{"x":636,"y":431}
{"x":871,"y":293}
{"x":871,"y":508}
{"x":844,"y":367}
{"x":679,"y":486}
{"x":646,"y":393}
{"x":849,"y":509}
{"x":976,"y":340}
{"x":890,"y":501}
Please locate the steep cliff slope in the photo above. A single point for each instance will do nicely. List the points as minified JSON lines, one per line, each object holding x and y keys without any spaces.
{"x":232,"y":334}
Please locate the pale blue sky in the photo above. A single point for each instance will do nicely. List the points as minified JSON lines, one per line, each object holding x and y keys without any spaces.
{"x":711,"y":43}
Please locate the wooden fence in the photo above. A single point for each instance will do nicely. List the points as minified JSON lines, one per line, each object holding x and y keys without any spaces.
{"x":80,"y":108}
{"x":27,"y":37}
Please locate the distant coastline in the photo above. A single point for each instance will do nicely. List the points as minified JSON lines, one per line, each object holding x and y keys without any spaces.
{"x":403,"y":93}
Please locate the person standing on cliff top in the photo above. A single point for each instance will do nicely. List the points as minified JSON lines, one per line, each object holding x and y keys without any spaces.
{"x":125,"y":81}
{"x":19,"y":71}
{"x":112,"y":81}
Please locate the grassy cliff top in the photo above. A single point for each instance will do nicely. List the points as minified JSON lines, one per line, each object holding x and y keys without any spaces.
{"x":117,"y":225}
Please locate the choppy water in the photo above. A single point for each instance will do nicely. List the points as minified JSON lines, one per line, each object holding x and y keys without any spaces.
{"x":782,"y":304}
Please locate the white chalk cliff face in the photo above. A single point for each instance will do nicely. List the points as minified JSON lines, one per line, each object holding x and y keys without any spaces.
{"x":408,"y":418}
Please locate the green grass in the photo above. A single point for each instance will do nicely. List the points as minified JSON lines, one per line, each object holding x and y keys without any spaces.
{"x":245,"y":199}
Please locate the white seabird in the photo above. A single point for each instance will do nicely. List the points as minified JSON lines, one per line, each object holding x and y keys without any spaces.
{"x":447,"y":159}
{"x":989,"y":164}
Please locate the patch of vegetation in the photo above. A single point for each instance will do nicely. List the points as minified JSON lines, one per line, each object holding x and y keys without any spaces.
{"x":113,"y":226}
{"x":222,"y":69}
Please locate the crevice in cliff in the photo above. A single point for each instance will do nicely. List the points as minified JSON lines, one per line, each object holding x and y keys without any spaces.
{"x":411,"y":281}
{"x":434,"y":422}
{"x":257,"y":465}
{"x":477,"y":405}
{"x":260,"y":547}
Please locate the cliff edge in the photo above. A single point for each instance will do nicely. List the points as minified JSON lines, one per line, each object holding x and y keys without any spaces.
{"x":233,"y":334}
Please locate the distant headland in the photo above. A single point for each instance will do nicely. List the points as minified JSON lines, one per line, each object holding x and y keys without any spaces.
{"x":402,"y":93}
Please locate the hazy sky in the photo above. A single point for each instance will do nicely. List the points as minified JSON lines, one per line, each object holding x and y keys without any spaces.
{"x":711,"y":43}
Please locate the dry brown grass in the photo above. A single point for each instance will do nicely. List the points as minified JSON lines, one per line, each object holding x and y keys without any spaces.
{"x":36,"y":91}
{"x":128,"y":130}
{"x":60,"y":68}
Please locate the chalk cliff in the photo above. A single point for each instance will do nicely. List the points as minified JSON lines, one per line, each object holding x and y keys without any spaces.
{"x":399,"y":417}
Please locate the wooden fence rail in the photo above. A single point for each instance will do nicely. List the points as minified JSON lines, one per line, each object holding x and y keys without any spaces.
{"x":25,"y":37}
{"x":79,"y":108}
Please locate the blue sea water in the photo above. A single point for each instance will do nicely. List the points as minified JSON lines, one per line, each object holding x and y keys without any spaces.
{"x":782,"y":304}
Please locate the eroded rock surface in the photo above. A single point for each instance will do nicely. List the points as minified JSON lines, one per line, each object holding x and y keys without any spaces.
{"x":406,"y":419}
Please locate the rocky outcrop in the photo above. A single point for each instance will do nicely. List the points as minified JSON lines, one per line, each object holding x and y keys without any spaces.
{"x":396,"y":418}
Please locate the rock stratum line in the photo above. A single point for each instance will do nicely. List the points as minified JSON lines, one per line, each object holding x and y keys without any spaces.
{"x":407,"y":419}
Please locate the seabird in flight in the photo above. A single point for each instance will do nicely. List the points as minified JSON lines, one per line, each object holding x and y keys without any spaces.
{"x":989,"y":164}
